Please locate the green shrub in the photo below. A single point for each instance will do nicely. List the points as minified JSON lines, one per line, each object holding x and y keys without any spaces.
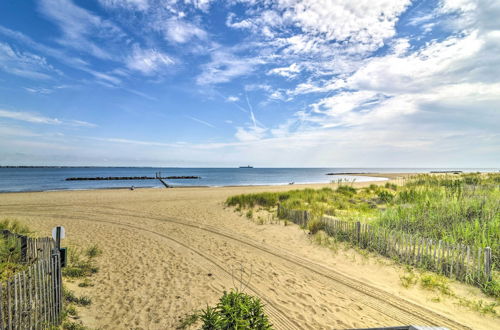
{"x":70,"y":325}
{"x":10,"y":250}
{"x":346,"y":190}
{"x":14,"y":226}
{"x":70,"y":297}
{"x":235,"y":310}
{"x":492,"y":288}
{"x":81,"y":264}
{"x":69,"y":271}
{"x":93,"y":251}
{"x":86,"y":283}
{"x":435,"y":283}
{"x":316,"y":225}
{"x":391,"y":186}
{"x":385,"y":196}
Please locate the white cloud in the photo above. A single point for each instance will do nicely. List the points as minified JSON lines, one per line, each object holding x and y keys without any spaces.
{"x":456,"y":59}
{"x":253,"y":133}
{"x":58,"y":54}
{"x":179,"y":31}
{"x":24,"y":64}
{"x":39,"y":90}
{"x":203,"y":5}
{"x":363,"y":26}
{"x":287,"y":72}
{"x":148,"y":61}
{"x":141,"y":5}
{"x":38,"y":119}
{"x":232,"y":99}
{"x":225,"y":66}
{"x":80,"y":28}
{"x":200,"y":121}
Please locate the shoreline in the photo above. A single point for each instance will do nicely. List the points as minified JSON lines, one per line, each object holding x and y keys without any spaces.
{"x":378,"y":176}
{"x":383,"y":176}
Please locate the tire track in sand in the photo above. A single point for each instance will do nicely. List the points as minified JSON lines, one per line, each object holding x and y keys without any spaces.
{"x":382,"y":301}
{"x":396,"y":308}
{"x":278,"y":317}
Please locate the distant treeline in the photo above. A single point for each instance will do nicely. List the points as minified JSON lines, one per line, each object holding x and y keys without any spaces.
{"x":133,"y":178}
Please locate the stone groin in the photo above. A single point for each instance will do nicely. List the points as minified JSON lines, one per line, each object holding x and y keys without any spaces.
{"x":132,"y":178}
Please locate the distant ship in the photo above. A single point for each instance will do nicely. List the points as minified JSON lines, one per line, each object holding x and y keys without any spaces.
{"x":248,"y":166}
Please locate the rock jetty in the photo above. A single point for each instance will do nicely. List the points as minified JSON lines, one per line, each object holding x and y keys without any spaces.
{"x":133,"y":178}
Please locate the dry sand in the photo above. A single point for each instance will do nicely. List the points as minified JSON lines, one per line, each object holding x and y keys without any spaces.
{"x":169,"y":252}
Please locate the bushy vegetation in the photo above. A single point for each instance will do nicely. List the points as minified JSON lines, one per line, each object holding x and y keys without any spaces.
{"x":14,"y":226}
{"x":458,"y":209}
{"x":441,"y":287}
{"x":81,"y":266}
{"x":10,"y":248}
{"x":461,"y":209}
{"x":81,"y":263}
{"x":343,"y":202}
{"x":235,"y":310}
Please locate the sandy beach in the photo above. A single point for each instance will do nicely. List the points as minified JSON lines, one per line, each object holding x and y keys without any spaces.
{"x":169,"y":252}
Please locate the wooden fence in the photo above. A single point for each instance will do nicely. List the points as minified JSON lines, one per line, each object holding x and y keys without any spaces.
{"x":33,"y":298}
{"x":32,"y":249}
{"x":465,"y":263}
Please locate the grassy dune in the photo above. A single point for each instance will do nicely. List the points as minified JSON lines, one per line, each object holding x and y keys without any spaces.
{"x":455,"y":208}
{"x":462,"y":209}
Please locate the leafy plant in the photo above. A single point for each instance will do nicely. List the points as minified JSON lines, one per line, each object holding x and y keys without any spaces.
{"x":435,"y":282}
{"x":235,"y":310}
{"x":81,"y":264}
{"x":93,"y":251}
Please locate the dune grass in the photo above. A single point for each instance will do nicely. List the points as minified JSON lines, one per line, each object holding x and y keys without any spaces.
{"x":462,"y":209}
{"x":10,"y":248}
{"x":343,"y":202}
{"x":458,"y":209}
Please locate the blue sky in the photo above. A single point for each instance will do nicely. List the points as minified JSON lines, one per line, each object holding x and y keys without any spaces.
{"x":294,"y":83}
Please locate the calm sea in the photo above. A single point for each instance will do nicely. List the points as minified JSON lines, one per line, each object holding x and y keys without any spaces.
{"x":41,"y":179}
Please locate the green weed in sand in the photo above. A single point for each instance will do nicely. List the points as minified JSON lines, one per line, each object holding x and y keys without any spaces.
{"x":236,"y":310}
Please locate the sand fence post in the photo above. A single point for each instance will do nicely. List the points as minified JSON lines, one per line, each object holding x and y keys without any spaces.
{"x":487,"y":263}
{"x":358,"y":232}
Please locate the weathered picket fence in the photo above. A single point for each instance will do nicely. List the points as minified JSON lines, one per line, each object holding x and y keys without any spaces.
{"x":465,"y":263}
{"x":32,"y":298}
{"x":32,"y":249}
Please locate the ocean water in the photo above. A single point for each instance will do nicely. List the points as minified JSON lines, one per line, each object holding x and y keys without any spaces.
{"x":43,"y":179}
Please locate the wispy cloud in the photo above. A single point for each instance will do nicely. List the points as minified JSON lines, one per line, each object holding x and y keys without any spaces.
{"x":148,"y":61}
{"x":38,"y":119}
{"x":80,"y":28}
{"x":200,"y":121}
{"x":25,"y":64}
{"x":225,"y":66}
{"x":140,"y":5}
{"x":179,"y":31}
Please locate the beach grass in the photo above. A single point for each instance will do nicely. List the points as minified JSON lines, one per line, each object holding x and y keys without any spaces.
{"x":462,"y":209}
{"x":457,"y":209}
{"x":10,"y":249}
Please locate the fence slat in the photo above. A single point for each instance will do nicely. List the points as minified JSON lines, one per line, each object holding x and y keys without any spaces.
{"x":1,"y":307}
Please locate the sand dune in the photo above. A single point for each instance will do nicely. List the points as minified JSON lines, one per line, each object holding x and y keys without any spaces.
{"x":168,"y":252}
